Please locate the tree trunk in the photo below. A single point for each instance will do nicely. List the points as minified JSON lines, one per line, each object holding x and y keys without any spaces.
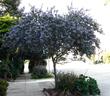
{"x":31,"y":65}
{"x":55,"y":71}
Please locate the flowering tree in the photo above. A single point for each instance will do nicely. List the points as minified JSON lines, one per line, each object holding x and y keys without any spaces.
{"x":47,"y":34}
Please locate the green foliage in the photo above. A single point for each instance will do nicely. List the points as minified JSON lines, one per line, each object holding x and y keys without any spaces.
{"x":84,"y":85}
{"x":40,"y":72}
{"x":10,"y":6}
{"x":5,"y":69}
{"x":10,"y":69}
{"x":34,"y":62}
{"x":93,"y":87}
{"x":81,"y":85}
{"x":3,"y":87}
{"x":6,"y":22}
{"x":16,"y":67}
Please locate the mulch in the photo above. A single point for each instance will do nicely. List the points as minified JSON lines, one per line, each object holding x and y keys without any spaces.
{"x":55,"y":92}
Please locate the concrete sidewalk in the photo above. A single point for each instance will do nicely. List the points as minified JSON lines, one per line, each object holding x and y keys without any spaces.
{"x":24,"y":86}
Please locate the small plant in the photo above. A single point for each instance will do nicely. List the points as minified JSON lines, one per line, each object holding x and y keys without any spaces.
{"x":40,"y":72}
{"x":3,"y":87}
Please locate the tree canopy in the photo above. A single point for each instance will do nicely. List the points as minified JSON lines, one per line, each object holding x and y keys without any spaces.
{"x":50,"y":33}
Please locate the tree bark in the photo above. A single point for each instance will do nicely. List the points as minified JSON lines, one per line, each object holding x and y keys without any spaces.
{"x":55,"y":71}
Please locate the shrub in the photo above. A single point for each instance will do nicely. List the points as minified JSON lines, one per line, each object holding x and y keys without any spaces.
{"x":4,"y":69}
{"x":81,"y":85}
{"x":86,"y":86}
{"x":40,"y":72}
{"x":38,"y":62}
{"x":16,"y":67}
{"x":65,"y":81}
{"x":3,"y":87}
{"x":93,"y":87}
{"x":10,"y":69}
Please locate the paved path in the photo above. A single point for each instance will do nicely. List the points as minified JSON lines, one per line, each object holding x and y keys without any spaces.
{"x":24,"y":86}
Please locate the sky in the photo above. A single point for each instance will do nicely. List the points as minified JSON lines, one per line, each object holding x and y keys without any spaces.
{"x":98,"y":9}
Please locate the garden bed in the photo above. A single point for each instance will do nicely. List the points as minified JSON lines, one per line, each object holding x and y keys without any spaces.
{"x":70,"y":84}
{"x":55,"y":92}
